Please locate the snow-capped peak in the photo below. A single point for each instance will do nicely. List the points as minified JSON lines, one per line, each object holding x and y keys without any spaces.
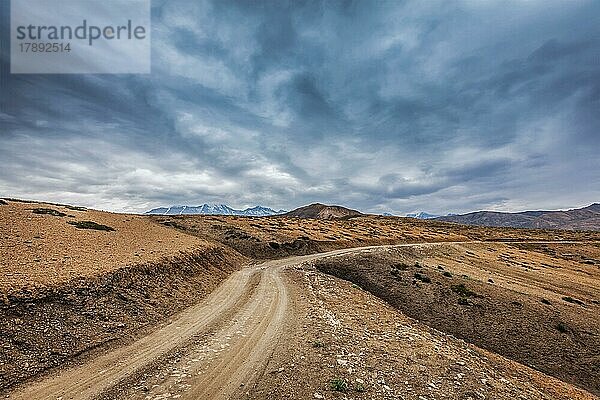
{"x":214,"y":209}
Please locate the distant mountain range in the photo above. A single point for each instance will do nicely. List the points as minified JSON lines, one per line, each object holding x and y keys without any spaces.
{"x":215,"y":209}
{"x":423,"y":215}
{"x":322,"y":211}
{"x":587,"y":218}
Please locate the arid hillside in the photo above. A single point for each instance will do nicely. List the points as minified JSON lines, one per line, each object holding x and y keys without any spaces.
{"x":81,"y":286}
{"x":526,"y":305}
{"x":45,"y":245}
{"x":278,"y":236}
{"x":322,"y":211}
{"x":586,"y":218}
{"x":75,"y":280}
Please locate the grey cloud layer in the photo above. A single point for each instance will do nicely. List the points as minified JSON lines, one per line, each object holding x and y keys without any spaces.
{"x":383,"y":106}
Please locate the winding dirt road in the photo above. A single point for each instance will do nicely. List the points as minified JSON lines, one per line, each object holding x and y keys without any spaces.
{"x":223,"y":344}
{"x":244,"y":315}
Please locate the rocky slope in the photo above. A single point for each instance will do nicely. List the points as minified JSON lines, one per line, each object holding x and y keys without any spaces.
{"x":587,"y":218}
{"x":322,"y":211}
{"x":345,"y":343}
{"x":525,"y":305}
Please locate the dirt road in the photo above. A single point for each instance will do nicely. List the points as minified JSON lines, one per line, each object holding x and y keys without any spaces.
{"x":214,"y":350}
{"x":244,"y":315}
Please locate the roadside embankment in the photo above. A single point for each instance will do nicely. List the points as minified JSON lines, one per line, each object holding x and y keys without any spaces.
{"x":48,"y":328}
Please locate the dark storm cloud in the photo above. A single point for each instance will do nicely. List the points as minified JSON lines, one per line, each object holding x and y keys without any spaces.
{"x":384,"y":106}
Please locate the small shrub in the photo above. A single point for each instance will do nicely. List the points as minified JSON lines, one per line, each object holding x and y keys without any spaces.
{"x":400,"y":267}
{"x":48,"y":211}
{"x":74,"y":208}
{"x":359,"y":387}
{"x":463,"y":291}
{"x":562,"y":328}
{"x":318,"y":344}
{"x":90,"y":225}
{"x":546,"y":302}
{"x":447,"y":274}
{"x":422,"y":278}
{"x":339,"y":385}
{"x":463,"y":301}
{"x":569,"y":299}
{"x":417,"y":265}
{"x":172,"y":224}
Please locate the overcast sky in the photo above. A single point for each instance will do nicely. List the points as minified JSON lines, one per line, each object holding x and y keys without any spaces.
{"x":396,"y":106}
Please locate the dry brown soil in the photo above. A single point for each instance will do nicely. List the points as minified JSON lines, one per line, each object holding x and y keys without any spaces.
{"x":344,"y":335}
{"x":276,"y":237}
{"x":524,"y":305}
{"x":43,"y":250}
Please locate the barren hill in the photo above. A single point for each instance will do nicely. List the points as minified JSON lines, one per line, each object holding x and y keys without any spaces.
{"x":587,"y":218}
{"x":75,"y":279}
{"x":322,"y":211}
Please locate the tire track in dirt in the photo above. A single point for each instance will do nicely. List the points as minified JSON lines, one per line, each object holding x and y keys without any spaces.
{"x":261,"y":322}
{"x":100,"y":374}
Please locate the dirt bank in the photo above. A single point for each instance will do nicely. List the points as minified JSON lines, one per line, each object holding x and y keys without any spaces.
{"x":517,"y":311}
{"x":345,"y":343}
{"x":277,"y":236}
{"x":43,"y":329}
